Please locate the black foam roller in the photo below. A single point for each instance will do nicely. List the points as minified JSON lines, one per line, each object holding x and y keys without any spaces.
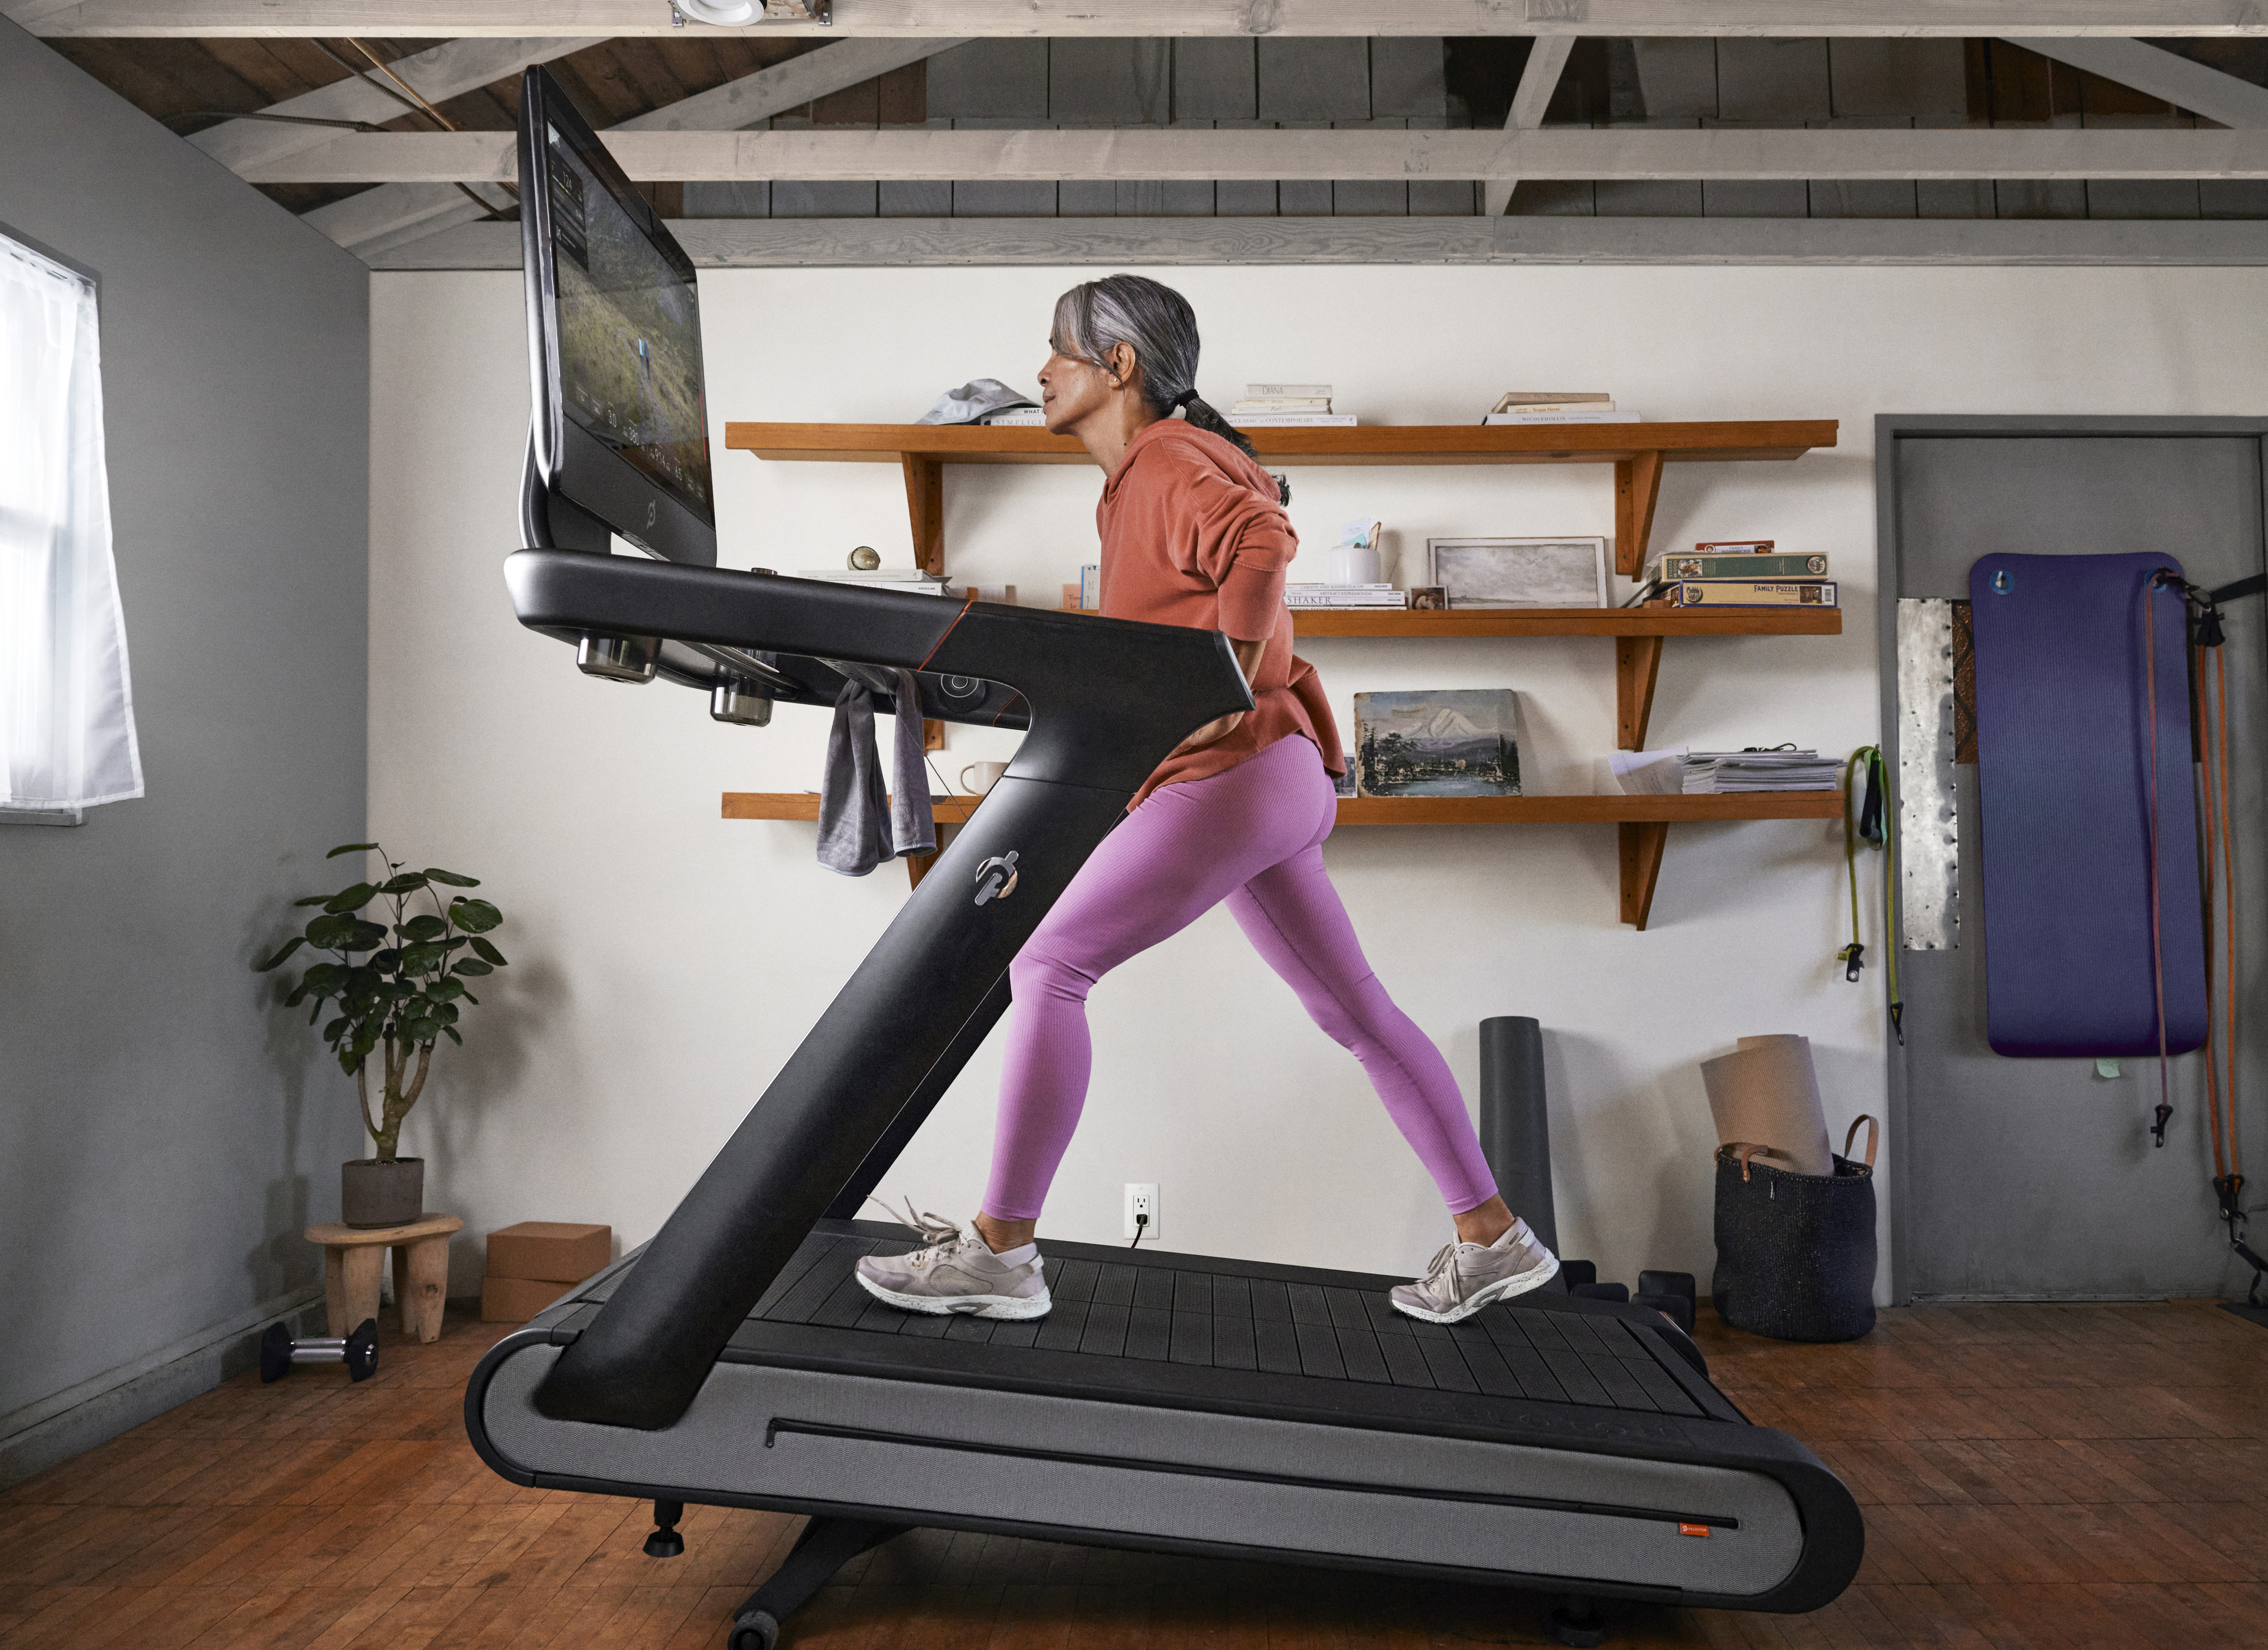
{"x":1516,"y":1134}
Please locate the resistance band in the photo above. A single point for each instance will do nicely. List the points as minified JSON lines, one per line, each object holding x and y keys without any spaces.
{"x":1870,"y":826}
{"x":2209,"y":691}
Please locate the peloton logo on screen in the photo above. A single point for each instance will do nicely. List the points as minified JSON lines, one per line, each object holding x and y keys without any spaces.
{"x":996,"y":877}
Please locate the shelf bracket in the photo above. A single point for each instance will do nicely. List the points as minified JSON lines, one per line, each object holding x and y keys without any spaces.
{"x":1642,"y":843}
{"x":1637,"y":663}
{"x":1638,"y":484}
{"x":925,"y":504}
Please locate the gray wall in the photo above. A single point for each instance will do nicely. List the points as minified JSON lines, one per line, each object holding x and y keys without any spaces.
{"x":163,"y":1133}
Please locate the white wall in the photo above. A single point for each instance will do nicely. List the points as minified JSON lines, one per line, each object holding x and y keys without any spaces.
{"x":666,"y":963}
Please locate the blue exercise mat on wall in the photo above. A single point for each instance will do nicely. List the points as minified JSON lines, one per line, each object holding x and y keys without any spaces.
{"x":2063,"y":771}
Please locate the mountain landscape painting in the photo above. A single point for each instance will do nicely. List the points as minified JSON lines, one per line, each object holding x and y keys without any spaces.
{"x":1460,"y":741}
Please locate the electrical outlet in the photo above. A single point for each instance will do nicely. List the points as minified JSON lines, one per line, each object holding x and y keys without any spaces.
{"x":1141,"y":1200}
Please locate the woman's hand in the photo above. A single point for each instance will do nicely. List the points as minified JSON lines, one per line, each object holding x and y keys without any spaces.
{"x":1211,"y":734}
{"x":1248,"y":655}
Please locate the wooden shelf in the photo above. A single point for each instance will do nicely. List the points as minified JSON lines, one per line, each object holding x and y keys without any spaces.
{"x":1643,"y":820}
{"x":1637,"y":453}
{"x":1646,"y":621}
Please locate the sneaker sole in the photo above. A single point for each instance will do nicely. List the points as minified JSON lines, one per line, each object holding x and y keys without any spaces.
{"x":1503,"y":1289}
{"x":966,"y":1306}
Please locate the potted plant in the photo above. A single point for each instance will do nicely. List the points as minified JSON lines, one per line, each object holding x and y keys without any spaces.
{"x":397,"y":985}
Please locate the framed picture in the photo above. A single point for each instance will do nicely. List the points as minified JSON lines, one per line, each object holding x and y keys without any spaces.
{"x":1519,"y":572}
{"x":1456,"y":741}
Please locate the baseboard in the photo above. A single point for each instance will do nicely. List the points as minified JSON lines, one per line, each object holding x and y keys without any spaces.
{"x":76,"y":1419}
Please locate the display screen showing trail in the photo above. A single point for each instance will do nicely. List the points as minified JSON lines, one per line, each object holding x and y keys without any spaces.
{"x":630,"y":334}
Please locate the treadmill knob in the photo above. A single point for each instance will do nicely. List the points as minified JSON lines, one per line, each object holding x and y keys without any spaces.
{"x":996,"y":877}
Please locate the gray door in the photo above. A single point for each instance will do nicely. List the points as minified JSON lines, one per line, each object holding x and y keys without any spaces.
{"x":2036,"y":1179}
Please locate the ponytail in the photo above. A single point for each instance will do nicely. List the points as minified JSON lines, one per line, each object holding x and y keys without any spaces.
{"x":1201,"y":413}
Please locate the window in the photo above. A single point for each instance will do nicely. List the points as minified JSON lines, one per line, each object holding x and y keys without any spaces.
{"x":66,"y":704}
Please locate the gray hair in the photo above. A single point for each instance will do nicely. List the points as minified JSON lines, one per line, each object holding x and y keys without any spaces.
{"x":1157,"y":323}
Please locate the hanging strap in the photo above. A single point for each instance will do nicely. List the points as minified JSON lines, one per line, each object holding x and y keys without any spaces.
{"x":1870,"y":826}
{"x":1874,"y":1136}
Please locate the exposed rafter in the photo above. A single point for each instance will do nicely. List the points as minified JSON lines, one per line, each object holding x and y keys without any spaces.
{"x":438,"y":74}
{"x":1539,"y":78}
{"x":870,"y":242}
{"x":2164,"y":74}
{"x":402,"y":211}
{"x":430,"y":19}
{"x":1049,"y":156}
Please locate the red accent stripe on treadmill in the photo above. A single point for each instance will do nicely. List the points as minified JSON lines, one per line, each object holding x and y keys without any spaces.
{"x":957,"y":618}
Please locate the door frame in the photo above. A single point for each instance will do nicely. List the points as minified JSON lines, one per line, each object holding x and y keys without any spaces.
{"x":1889,"y":430}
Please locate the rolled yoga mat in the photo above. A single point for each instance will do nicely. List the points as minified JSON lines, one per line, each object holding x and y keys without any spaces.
{"x":1765,"y":1093}
{"x":1515,"y":1132}
{"x":2063,"y":773}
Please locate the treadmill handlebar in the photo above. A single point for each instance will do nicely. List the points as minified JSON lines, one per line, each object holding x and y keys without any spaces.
{"x":1109,"y":697}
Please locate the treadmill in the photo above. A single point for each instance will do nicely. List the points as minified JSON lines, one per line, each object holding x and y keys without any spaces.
{"x":1168,"y":1402}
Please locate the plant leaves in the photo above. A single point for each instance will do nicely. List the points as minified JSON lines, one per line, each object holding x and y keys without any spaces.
{"x":454,"y":1037}
{"x":313,"y":899}
{"x":451,"y":878}
{"x":487,"y":953}
{"x":421,"y":928}
{"x":474,"y":916}
{"x":333,"y":932}
{"x":408,"y":882}
{"x":472,"y":966}
{"x":349,"y":848}
{"x":422,"y":959}
{"x":351,"y":899}
{"x":288,"y":946}
{"x":365,"y":935}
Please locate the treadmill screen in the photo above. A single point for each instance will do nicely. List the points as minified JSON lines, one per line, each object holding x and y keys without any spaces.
{"x":630,"y":335}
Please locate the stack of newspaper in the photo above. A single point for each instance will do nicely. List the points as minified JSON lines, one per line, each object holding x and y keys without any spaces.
{"x":1720,"y":772}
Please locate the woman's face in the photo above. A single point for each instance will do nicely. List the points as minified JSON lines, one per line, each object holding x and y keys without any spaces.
{"x":1071,"y":389}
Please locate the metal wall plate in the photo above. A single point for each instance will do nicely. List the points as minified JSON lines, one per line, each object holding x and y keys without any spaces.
{"x":1929,"y":892}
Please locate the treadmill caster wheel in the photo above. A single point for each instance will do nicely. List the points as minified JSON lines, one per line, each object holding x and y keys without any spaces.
{"x":754,"y":1631}
{"x":666,"y":1543}
{"x":1577,"y":1623}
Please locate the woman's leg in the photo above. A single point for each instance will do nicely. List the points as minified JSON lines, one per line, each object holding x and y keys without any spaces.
{"x":1293,"y":916}
{"x":1174,"y":857}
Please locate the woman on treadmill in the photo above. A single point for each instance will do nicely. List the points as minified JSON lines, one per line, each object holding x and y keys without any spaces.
{"x":1194,"y":532}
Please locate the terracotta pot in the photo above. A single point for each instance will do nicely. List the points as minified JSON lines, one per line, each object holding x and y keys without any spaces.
{"x":374,"y":1192}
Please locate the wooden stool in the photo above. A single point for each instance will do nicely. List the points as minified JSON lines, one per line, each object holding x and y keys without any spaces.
{"x":351,"y":1257}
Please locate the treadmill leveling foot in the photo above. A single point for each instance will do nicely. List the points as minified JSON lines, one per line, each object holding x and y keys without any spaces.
{"x":1576,"y":1623}
{"x":666,"y":1543}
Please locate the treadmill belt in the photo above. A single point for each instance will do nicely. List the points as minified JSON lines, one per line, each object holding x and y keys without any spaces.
{"x":1177,"y":1310}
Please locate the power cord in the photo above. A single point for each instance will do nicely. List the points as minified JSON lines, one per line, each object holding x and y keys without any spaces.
{"x":1141,"y":1225}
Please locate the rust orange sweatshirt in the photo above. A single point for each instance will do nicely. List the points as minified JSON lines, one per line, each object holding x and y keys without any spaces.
{"x":1192,"y":534}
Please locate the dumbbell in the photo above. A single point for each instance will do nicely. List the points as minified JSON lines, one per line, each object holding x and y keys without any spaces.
{"x":358,"y":1351}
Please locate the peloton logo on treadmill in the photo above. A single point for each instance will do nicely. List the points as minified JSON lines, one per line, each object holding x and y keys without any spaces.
{"x":652,"y":506}
{"x":996,"y":877}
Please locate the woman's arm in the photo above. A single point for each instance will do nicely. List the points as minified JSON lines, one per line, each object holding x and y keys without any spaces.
{"x":1248,"y":660}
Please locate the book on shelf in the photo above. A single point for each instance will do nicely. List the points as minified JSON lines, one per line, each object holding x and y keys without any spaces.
{"x":1322,"y":595}
{"x":1669,"y":568}
{"x":1294,"y":421}
{"x":1522,"y":416}
{"x":1559,"y":406}
{"x":1514,"y":400}
{"x":1280,"y":392}
{"x":1735,"y":546}
{"x":1749,"y":592}
{"x":1728,"y":772}
{"x":909,"y":580}
{"x":1017,"y":418}
{"x":1085,"y":596}
{"x":1283,"y":404}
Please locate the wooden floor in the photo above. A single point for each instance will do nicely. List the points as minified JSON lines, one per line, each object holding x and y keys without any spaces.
{"x":2058,"y":1477}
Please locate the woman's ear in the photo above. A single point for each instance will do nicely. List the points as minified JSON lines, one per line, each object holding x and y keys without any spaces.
{"x":1123,"y":362}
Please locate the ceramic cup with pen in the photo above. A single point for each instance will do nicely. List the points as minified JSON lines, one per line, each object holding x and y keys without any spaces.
{"x":987,"y":774}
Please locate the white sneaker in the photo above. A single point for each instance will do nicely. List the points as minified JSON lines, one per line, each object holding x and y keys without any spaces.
{"x":1466,"y":1277}
{"x":958,"y":1272}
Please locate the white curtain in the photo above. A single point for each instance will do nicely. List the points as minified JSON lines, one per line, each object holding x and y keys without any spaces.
{"x":66,"y":704}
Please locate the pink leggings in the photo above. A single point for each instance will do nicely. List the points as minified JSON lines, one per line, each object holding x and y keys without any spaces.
{"x":1252,"y":836}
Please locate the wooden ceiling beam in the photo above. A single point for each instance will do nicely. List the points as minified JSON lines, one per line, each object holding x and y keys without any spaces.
{"x":1048,"y":156}
{"x":432,"y":18}
{"x":1539,"y":78}
{"x":2160,"y":73}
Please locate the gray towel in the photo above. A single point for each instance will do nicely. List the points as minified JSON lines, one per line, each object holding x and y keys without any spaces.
{"x":860,"y":822}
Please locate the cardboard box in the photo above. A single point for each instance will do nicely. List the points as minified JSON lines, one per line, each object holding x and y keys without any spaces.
{"x":549,"y":1251}
{"x":516,"y":1300}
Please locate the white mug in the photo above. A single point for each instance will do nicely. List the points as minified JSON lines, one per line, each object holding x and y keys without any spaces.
{"x":987,"y":774}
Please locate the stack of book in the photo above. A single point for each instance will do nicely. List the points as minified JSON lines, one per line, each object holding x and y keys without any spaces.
{"x":1296,"y":596}
{"x":1743,"y":573}
{"x":1724,"y":772}
{"x":1016,"y":418}
{"x":1087,"y":595}
{"x":1557,"y":407}
{"x":1287,"y":407}
{"x":906,"y":581}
